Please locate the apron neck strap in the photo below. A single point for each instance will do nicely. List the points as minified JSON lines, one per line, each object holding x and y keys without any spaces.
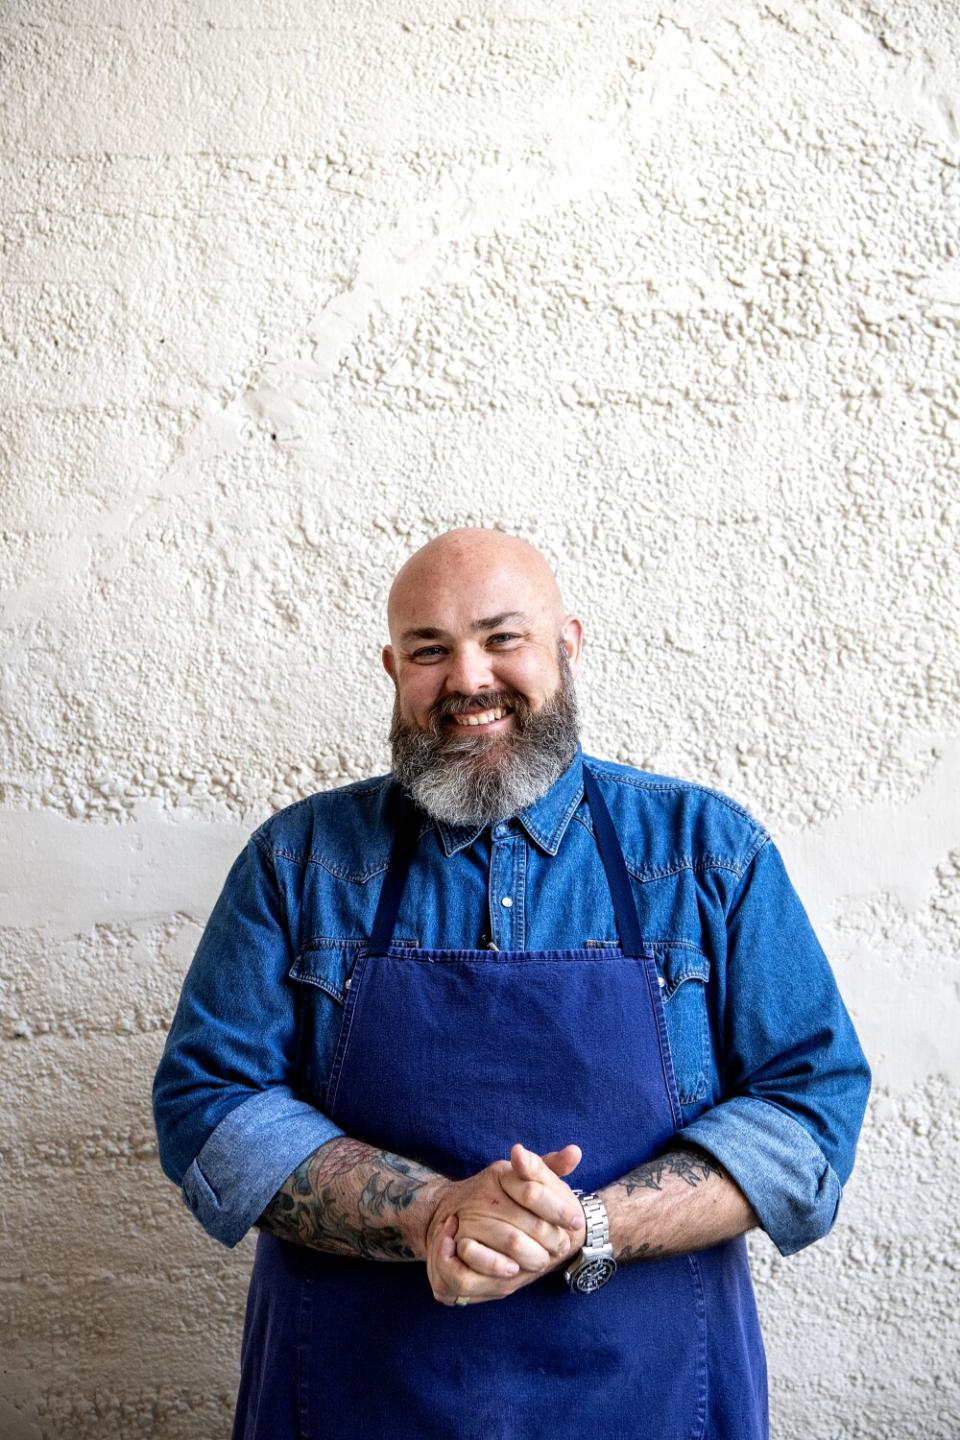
{"x":395,"y":878}
{"x":611,"y":853}
{"x":624,"y":905}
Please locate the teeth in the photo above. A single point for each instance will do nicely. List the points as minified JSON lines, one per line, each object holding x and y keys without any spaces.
{"x":481,"y":717}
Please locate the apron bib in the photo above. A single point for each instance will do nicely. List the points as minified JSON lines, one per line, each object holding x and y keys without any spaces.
{"x":449,"y":1057}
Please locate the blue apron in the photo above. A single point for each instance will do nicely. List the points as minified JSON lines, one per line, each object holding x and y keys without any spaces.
{"x":449,"y":1057}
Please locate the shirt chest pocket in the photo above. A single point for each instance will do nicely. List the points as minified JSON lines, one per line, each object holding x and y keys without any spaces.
{"x":682,"y":973}
{"x":319,"y":976}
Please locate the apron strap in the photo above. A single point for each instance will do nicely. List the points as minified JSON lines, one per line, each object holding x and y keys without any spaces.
{"x":395,"y":879}
{"x":621,"y":891}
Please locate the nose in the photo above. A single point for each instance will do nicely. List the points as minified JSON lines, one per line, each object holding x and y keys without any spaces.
{"x":469,"y":669}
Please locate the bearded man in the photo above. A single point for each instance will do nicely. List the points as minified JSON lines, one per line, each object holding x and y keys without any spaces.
{"x":423,"y":1001}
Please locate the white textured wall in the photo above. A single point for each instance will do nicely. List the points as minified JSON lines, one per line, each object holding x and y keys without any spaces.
{"x":672,"y":289}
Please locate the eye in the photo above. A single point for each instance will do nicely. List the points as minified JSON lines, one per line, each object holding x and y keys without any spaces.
{"x":503,"y":635}
{"x":427,"y":652}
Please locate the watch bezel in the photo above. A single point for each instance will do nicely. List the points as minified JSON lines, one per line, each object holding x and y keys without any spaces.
{"x":587,"y":1263}
{"x":582,"y":1279}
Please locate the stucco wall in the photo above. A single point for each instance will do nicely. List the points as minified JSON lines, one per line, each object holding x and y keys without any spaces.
{"x":671,"y":289}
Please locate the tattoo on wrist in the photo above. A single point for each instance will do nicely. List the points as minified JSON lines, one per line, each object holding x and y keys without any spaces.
{"x":693,"y":1166}
{"x":641,"y":1252}
{"x":310,"y":1209}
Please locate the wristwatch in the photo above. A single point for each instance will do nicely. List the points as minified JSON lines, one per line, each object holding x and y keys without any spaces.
{"x":594,"y":1265}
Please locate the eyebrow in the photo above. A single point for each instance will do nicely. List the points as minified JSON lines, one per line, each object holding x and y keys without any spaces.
{"x":486,"y":622}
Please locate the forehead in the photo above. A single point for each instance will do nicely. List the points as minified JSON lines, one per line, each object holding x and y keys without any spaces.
{"x":456,"y":598}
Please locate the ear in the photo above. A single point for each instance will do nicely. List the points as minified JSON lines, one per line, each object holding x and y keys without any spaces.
{"x":388,"y":662}
{"x":571,"y":637}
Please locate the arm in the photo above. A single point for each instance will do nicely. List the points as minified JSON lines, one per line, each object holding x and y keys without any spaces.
{"x":230,"y":1122}
{"x":794,"y":1080}
{"x":348,"y":1198}
{"x":352,"y":1199}
{"x":680,"y":1201}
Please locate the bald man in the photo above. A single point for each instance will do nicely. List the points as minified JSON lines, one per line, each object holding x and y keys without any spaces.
{"x":503,"y":1053}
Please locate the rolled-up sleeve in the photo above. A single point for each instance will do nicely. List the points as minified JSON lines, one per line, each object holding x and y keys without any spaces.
{"x":794,"y":1077}
{"x":230,"y":1124}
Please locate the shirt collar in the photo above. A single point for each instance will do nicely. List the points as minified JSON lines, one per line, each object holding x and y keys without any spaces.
{"x":545,"y":820}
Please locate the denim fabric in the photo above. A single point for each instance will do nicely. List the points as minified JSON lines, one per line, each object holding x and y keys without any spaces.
{"x":770,"y":1074}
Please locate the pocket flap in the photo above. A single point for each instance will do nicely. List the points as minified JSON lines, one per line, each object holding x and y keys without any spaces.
{"x":677,"y":963}
{"x":326,"y":964}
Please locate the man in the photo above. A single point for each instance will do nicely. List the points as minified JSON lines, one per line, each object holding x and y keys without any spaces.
{"x":423,"y":1002}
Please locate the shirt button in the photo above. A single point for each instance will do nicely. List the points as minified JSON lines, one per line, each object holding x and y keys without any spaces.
{"x":506,"y":902}
{"x":499,"y":831}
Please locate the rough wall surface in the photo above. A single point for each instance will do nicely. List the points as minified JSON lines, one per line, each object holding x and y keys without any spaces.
{"x":673,"y":290}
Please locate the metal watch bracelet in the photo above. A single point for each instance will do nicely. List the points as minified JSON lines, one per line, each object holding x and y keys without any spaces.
{"x":595,"y":1264}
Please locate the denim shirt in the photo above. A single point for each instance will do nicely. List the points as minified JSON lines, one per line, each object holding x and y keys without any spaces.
{"x":771,"y":1077}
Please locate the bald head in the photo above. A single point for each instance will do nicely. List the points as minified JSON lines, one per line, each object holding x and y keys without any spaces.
{"x":474,"y":562}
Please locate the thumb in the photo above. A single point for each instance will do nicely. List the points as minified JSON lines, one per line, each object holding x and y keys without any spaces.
{"x":448,"y":1245}
{"x":562,"y":1162}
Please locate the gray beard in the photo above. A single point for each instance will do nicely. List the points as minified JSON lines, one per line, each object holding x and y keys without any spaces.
{"x":473,"y":780}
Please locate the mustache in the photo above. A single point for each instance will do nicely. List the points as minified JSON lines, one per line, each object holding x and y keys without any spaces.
{"x":483,"y":700}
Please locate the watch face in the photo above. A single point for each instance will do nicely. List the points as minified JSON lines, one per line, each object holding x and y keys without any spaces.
{"x":593,"y":1274}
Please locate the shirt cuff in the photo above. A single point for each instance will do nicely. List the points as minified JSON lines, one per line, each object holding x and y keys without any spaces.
{"x":794,"y":1191}
{"x":249,"y":1155}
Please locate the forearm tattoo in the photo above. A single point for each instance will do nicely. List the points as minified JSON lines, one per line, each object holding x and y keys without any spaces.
{"x":641,"y":1252}
{"x":319,"y":1204}
{"x":688,"y":1163}
{"x":693,"y":1166}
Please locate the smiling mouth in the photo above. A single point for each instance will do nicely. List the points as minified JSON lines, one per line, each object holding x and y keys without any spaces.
{"x":478,"y":719}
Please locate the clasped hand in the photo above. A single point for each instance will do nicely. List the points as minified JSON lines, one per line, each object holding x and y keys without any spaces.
{"x":504,"y":1227}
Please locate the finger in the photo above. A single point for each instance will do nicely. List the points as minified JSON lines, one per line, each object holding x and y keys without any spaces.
{"x":448,"y":1245}
{"x":453,"y":1276}
{"x":526,"y":1163}
{"x":541,"y":1167}
{"x":485,"y":1261}
{"x":543,"y":1204}
{"x":557,"y":1162}
{"x":507,"y":1229}
{"x":533,"y":1244}
{"x":450,"y":1272}
{"x":541,"y":1210}
{"x":562,"y":1162}
{"x":557,"y":1207}
{"x":454,"y":1279}
{"x":536,"y":1188}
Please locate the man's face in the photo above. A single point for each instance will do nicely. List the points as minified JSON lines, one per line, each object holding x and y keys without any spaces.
{"x":470,"y":680}
{"x":484,"y":713}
